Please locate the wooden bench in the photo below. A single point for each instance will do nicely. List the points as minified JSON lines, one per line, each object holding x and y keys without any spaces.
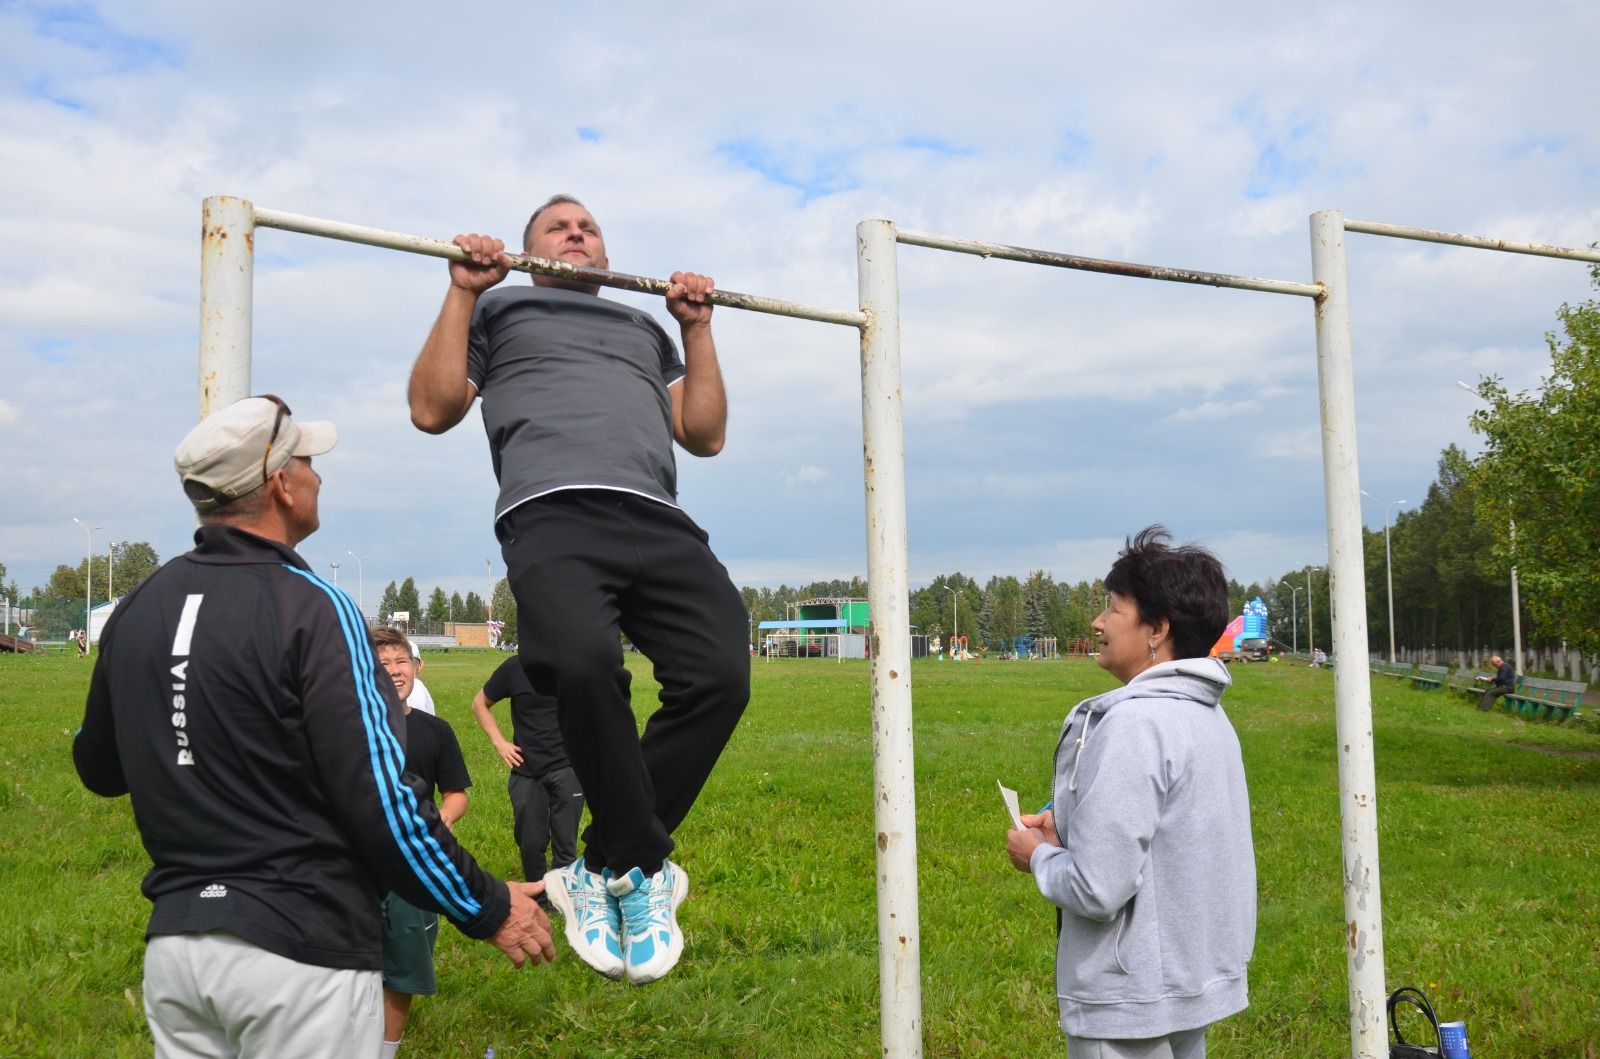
{"x":1395,"y":669}
{"x":1430,"y":677}
{"x":1469,"y":681}
{"x":1549,"y":700}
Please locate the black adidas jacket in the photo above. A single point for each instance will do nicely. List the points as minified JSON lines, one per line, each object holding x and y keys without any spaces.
{"x":239,"y":702}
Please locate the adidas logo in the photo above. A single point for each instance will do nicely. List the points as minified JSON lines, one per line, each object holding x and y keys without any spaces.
{"x":215,"y":890}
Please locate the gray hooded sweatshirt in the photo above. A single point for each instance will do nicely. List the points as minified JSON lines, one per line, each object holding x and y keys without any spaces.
{"x":1155,"y":875}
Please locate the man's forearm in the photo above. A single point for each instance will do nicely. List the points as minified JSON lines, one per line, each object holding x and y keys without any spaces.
{"x":705,"y":402}
{"x":439,"y":393}
{"x":480,"y":710}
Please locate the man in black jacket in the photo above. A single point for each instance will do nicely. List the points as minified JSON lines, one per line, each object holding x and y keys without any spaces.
{"x":1505,"y":682}
{"x":238,"y":702}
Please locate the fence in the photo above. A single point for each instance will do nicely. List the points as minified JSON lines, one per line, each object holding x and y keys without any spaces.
{"x":227,"y":247}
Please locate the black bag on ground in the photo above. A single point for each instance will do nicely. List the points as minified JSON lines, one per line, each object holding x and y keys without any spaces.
{"x":1399,"y":1048}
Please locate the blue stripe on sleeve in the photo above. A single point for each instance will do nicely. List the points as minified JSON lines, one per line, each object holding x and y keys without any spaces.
{"x":427,"y":859}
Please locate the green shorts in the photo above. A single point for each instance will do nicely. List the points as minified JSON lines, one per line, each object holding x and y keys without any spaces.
{"x":409,"y":935}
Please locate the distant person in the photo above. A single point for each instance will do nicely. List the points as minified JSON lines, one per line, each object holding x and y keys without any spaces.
{"x":1505,"y":682}
{"x":583,"y":398}
{"x":433,"y":756}
{"x":1146,"y":848}
{"x":81,"y":640}
{"x":238,"y":702}
{"x":546,"y":798}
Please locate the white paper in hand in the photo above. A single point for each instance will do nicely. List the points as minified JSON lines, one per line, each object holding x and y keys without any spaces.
{"x":1009,"y":796}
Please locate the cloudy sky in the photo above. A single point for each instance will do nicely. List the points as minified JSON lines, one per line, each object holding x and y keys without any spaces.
{"x":1047,"y":413}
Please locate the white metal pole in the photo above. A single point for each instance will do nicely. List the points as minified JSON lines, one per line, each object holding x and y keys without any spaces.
{"x":893,"y":771}
{"x":88,"y":573}
{"x":1311,"y":616}
{"x":1516,"y":604}
{"x":227,"y":270}
{"x":1294,"y":616}
{"x":1358,"y":794}
{"x":111,"y":570}
{"x":1388,"y":565}
{"x":361,"y":583}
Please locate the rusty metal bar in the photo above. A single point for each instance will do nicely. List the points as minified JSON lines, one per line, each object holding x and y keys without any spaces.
{"x":1095,"y":264}
{"x":416,"y":244}
{"x":1481,"y":242}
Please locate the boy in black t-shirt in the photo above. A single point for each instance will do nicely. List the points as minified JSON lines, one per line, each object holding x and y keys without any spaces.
{"x":546,"y":798}
{"x":434,"y":756}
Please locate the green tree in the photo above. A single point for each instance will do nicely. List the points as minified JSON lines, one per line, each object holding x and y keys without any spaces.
{"x":471,"y":609}
{"x":1001,"y":617}
{"x":389,"y":603}
{"x":458,"y":607}
{"x":135,"y":561}
{"x":1536,"y":486}
{"x":438,"y":606}
{"x":407,"y":599}
{"x":505,"y":609}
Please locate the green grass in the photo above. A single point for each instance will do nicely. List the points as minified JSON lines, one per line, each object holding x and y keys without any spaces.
{"x":1490,"y":858}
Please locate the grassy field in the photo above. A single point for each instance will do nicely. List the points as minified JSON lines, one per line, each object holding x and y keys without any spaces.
{"x":1490,"y":858}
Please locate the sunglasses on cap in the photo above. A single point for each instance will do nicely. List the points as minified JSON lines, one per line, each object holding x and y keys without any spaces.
{"x":277,"y":425}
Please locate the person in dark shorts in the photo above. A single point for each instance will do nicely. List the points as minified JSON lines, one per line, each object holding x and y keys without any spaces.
{"x":546,"y":799}
{"x":434,"y":756}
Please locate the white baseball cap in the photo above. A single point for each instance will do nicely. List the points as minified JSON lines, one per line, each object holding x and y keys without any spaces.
{"x":234,"y":451}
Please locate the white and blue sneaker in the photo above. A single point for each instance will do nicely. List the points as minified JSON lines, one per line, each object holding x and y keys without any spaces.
{"x":593,"y":918}
{"x":651,"y":940}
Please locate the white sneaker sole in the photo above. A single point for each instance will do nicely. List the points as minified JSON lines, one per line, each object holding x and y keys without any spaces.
{"x":603,"y":962}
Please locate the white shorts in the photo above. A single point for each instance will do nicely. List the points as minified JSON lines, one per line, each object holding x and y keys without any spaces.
{"x":215,"y":996}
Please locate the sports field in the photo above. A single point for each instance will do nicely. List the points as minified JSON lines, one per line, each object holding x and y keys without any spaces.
{"x":1490,"y":832}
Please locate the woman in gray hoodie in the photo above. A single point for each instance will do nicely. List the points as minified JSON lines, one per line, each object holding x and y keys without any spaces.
{"x":1146,"y":847}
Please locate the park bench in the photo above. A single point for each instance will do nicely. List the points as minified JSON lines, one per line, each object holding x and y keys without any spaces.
{"x":1551,"y":700}
{"x":1396,"y":669}
{"x":1429,"y":677}
{"x":1468,"y":681}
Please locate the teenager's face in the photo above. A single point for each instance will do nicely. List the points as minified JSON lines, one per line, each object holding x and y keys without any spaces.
{"x":401,"y":667}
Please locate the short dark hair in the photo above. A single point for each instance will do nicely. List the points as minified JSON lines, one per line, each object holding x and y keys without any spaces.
{"x":388,"y":636}
{"x":553,"y":200}
{"x":1185,"y":585}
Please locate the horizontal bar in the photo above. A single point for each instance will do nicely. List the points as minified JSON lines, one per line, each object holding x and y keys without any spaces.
{"x":416,"y":244}
{"x":1481,"y":242}
{"x":1116,"y":268}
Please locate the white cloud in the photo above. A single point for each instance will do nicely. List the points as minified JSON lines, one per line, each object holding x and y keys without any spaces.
{"x":1042,"y":403}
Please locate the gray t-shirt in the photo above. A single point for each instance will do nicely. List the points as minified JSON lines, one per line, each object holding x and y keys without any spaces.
{"x":574,"y":392}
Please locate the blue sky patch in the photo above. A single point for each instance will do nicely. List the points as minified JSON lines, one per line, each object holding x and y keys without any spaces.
{"x":937,"y":146}
{"x":588,"y":134}
{"x":82,"y":26}
{"x":815,"y":176}
{"x":1283,"y":159}
{"x":42,"y":88}
{"x":1074,"y":147}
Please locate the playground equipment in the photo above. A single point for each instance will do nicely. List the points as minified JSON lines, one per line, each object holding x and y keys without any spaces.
{"x":228,"y":227}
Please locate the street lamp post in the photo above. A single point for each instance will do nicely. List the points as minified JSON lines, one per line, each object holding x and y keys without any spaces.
{"x":335,"y":574}
{"x":361,"y":583}
{"x":1294,"y":615}
{"x":1388,"y":565}
{"x":111,"y":570}
{"x":88,"y":572}
{"x":955,"y":615}
{"x":1311,"y":623}
{"x":1516,"y":600}
{"x":488,"y":601}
